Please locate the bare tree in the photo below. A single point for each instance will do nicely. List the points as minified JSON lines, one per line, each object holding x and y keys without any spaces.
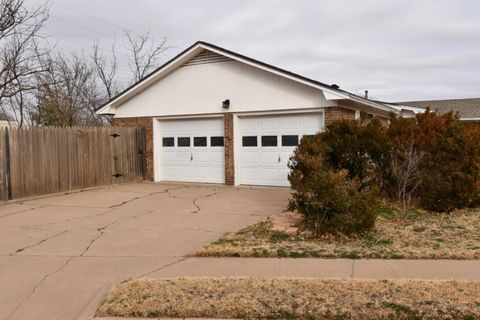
{"x":20,"y":53}
{"x":106,"y":70}
{"x":144,"y":53}
{"x":67,"y":95}
{"x":9,"y":11}
{"x":405,"y":163}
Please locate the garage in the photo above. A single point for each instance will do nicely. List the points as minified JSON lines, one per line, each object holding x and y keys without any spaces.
{"x":191,"y":150}
{"x":267,"y":142}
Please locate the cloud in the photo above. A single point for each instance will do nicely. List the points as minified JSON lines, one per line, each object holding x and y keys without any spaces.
{"x":397,"y":49}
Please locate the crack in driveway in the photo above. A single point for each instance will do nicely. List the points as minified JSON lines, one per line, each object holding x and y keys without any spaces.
{"x":102,"y":229}
{"x":34,"y":289}
{"x":204,"y":230}
{"x":110,"y":208}
{"x":167,"y":190}
{"x":21,"y":211}
{"x":164,"y":267}
{"x":195,"y":201}
{"x":38,"y":243}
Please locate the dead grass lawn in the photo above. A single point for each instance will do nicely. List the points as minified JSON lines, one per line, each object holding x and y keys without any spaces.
{"x":293,"y":299}
{"x":423,"y":236}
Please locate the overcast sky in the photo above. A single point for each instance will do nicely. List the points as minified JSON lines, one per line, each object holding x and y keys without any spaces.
{"x":398,"y":50}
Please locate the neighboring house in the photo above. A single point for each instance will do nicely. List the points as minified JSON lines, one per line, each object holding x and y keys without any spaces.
{"x":212,"y":115}
{"x":468,"y":109}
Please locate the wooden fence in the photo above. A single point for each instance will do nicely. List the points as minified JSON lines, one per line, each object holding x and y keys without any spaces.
{"x":36,"y":161}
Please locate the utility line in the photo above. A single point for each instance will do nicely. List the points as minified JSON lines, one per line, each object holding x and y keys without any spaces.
{"x":90,"y":16}
{"x":80,"y":26}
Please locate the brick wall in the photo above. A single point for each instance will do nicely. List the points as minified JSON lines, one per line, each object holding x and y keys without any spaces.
{"x":147,"y":123}
{"x":229,"y":160}
{"x":338,"y":113}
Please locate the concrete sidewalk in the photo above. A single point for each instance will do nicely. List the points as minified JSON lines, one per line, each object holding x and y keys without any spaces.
{"x":322,"y":268}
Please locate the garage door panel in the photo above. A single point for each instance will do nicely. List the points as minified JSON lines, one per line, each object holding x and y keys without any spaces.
{"x":169,"y":156}
{"x":169,"y":171}
{"x":260,"y":165}
{"x":182,"y":156}
{"x":248,"y":156}
{"x":249,"y":174}
{"x":291,"y":123}
{"x":310,"y":124}
{"x":217,"y":157}
{"x":267,"y":157}
{"x":200,"y":156}
{"x":198,"y":162}
{"x":269,"y":124}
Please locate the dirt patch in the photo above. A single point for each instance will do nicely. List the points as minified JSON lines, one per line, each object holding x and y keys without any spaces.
{"x":288,"y":222}
{"x":421,"y":236}
{"x":293,"y":299}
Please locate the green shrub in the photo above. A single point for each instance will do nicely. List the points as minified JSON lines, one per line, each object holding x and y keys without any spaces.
{"x":359,"y":148}
{"x":331,"y":203}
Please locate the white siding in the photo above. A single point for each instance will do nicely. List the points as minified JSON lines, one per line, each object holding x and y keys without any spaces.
{"x":200,"y":89}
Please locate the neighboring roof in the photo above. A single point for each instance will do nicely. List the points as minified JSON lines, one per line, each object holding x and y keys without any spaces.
{"x":332,"y":91}
{"x":468,"y":109}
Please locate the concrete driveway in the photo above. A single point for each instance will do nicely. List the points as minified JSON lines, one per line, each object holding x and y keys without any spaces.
{"x":59,"y":254}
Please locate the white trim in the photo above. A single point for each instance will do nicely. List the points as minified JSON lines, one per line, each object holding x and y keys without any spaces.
{"x":408,"y":108}
{"x":186,"y":117}
{"x":279,"y":112}
{"x":156,"y":150}
{"x":332,"y":96}
{"x":241,"y":113}
{"x":469,"y":119}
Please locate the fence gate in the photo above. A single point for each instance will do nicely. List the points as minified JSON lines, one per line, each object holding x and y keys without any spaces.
{"x":36,"y":161}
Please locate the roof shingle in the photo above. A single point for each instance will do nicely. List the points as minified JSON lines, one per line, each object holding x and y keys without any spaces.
{"x":467,"y":108}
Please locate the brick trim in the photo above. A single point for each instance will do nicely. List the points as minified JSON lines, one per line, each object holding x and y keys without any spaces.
{"x":147,"y":124}
{"x":333,"y":114}
{"x":229,"y":149}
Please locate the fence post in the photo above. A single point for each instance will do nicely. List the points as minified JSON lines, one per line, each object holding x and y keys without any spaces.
{"x":7,"y":177}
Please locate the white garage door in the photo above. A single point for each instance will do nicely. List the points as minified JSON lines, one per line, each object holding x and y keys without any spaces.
{"x":192,"y":150}
{"x":267,"y":143}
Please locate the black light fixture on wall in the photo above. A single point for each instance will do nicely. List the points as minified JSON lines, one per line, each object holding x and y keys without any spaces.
{"x":226,"y":104}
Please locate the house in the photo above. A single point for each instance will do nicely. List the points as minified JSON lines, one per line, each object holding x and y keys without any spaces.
{"x":216,"y":116}
{"x":468,"y":109}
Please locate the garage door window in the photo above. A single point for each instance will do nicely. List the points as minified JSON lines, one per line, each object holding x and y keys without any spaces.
{"x":290,"y":141}
{"x":183,"y":141}
{"x":249,"y":141}
{"x":168,"y":142}
{"x":216,"y":142}
{"x":309,"y":136}
{"x":200,"y":141}
{"x":269,"y":141}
